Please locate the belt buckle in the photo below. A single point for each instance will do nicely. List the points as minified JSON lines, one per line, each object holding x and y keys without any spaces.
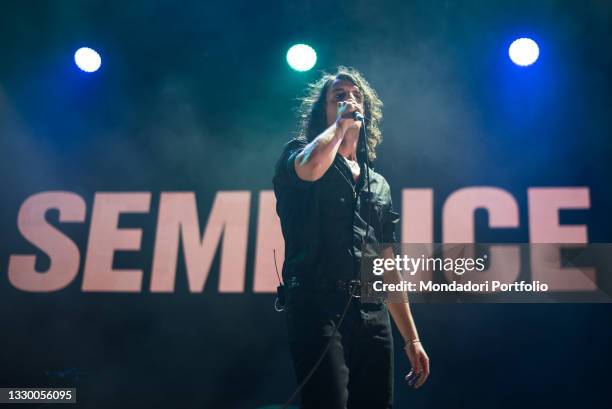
{"x":355,"y":285}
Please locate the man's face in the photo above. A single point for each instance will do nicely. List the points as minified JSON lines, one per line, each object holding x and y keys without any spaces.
{"x":342,"y":90}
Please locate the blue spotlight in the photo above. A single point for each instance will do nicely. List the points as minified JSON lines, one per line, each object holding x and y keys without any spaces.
{"x":87,"y":59}
{"x":301,"y":57}
{"x":523,"y":52}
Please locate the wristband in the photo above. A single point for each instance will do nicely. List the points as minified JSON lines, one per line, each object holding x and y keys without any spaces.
{"x":412,"y":342}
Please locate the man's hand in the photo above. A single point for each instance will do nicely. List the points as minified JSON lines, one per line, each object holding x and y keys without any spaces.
{"x":419,"y":362}
{"x":344,"y":116}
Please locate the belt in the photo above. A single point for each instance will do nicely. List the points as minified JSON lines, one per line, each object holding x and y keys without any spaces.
{"x":352,"y":287}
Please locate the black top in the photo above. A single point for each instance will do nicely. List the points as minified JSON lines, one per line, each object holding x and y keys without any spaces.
{"x":324,"y":222}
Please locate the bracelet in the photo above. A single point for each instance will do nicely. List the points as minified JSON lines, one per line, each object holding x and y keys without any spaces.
{"x":412,"y":342}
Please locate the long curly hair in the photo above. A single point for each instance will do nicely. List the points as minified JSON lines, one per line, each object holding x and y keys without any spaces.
{"x":312,"y":113}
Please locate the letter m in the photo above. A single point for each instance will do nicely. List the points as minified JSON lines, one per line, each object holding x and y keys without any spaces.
{"x":178,"y":222}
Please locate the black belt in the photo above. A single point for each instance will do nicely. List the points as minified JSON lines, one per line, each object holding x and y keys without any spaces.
{"x":352,"y":287}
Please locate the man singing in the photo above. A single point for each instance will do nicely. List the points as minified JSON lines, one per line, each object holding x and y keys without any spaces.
{"x":327,"y":212}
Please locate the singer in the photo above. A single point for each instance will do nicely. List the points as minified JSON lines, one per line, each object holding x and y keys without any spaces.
{"x":327,"y":211}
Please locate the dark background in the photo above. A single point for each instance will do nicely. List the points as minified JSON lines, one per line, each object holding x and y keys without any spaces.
{"x":197,"y":96}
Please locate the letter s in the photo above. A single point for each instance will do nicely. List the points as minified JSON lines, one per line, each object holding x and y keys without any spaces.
{"x":62,"y":251}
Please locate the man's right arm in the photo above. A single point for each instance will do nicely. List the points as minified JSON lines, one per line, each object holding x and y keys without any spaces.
{"x":318,"y":155}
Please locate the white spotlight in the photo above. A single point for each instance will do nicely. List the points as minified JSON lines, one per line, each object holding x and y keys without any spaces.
{"x":87,"y":59}
{"x":523,"y":51}
{"x":301,"y":57}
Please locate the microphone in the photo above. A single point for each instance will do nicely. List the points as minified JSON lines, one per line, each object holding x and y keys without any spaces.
{"x":357,"y":116}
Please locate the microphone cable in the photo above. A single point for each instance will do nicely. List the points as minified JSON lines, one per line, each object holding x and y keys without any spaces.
{"x":352,"y":295}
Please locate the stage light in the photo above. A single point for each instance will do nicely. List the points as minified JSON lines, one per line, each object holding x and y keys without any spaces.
{"x":87,"y":59}
{"x":523,"y":52}
{"x":301,"y":57}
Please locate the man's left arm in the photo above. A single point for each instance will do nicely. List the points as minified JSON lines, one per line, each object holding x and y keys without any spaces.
{"x":402,"y":316}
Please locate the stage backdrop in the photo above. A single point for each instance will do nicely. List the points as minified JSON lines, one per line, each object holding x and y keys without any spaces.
{"x":137,"y":218}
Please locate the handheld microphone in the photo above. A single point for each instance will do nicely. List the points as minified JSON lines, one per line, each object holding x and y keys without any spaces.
{"x":357,"y":116}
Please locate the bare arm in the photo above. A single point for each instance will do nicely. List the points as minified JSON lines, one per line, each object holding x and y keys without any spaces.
{"x":318,"y":155}
{"x":400,"y":311}
{"x":402,"y":316}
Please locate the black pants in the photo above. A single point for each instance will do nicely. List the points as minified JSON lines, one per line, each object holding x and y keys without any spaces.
{"x":357,"y":370}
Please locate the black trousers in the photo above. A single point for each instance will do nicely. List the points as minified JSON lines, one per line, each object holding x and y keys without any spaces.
{"x":357,"y":370}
